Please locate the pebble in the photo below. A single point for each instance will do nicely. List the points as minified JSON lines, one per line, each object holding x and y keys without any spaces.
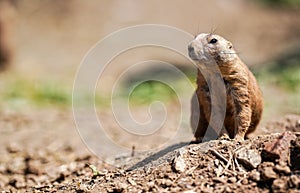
{"x":250,"y":158}
{"x":278,"y":185}
{"x":219,"y":179}
{"x":166,"y":182}
{"x":228,"y":189}
{"x":284,"y":169}
{"x":132,"y":182}
{"x":279,"y":148}
{"x":268,"y":173}
{"x":179,"y":164}
{"x":17,"y":181}
{"x":232,"y":179}
{"x":244,"y":181}
{"x":151,"y":184}
{"x":295,"y":181}
{"x":216,"y":162}
{"x":13,"y":148}
{"x":254,"y":175}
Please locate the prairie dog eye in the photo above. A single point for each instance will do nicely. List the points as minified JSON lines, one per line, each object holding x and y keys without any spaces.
{"x":213,"y":41}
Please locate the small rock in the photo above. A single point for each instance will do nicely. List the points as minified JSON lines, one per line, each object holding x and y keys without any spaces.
{"x":16,"y":166}
{"x":151,"y":184}
{"x":267,"y":164}
{"x":244,"y":181}
{"x":284,"y":169}
{"x":119,"y":187}
{"x":218,"y":170}
{"x":132,"y":182}
{"x":2,"y":168}
{"x":174,"y":189}
{"x":279,"y":148}
{"x":266,"y":171}
{"x":219,"y":179}
{"x":3,"y":181}
{"x":13,"y":148}
{"x":17,"y":181}
{"x":166,"y":183}
{"x":122,"y":186}
{"x":228,"y":189}
{"x":279,"y":185}
{"x":216,"y":162}
{"x":232,"y":179}
{"x":250,"y":158}
{"x":60,"y":178}
{"x":295,"y":181}
{"x":82,"y":188}
{"x":254,"y":175}
{"x":33,"y":167}
{"x":179,"y":164}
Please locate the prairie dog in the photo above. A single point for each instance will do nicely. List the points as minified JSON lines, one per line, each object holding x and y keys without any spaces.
{"x":244,"y":102}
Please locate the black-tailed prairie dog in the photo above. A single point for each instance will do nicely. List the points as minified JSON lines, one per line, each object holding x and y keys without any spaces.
{"x":244,"y":102}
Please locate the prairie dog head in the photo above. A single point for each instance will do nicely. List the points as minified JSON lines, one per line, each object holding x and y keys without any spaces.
{"x":211,"y":48}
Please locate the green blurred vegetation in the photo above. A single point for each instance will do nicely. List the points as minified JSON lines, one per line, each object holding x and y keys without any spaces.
{"x":283,"y":72}
{"x":23,"y":91}
{"x":281,"y":3}
{"x":281,"y":83}
{"x":150,"y":91}
{"x":282,"y":76}
{"x":17,"y":92}
{"x":288,"y":78}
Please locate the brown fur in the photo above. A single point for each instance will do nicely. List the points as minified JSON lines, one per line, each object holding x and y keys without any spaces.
{"x":244,"y":98}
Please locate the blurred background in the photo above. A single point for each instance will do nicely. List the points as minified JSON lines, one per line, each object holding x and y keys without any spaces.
{"x":42,"y":43}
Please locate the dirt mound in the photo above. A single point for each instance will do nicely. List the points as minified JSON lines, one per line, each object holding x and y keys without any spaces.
{"x":265,"y":163}
{"x":222,"y":165}
{"x":217,"y":166}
